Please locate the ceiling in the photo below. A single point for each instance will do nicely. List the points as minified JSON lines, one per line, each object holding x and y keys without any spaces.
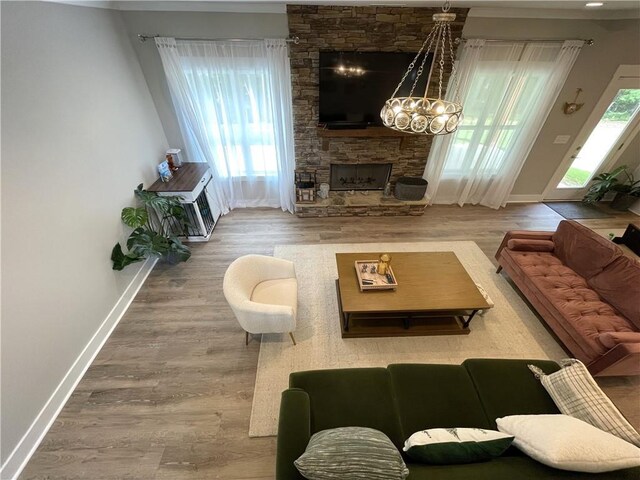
{"x":615,"y":9}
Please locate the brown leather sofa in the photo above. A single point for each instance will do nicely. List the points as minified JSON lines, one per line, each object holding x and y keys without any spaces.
{"x":584,"y":288}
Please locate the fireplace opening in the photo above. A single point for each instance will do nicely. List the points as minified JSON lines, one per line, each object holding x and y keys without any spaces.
{"x":359,"y":176}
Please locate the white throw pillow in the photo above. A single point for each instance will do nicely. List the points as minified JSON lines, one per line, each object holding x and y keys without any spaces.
{"x":564,"y":442}
{"x":446,"y":446}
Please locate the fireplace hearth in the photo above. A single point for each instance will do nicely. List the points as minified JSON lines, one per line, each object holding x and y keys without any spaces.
{"x":359,"y":176}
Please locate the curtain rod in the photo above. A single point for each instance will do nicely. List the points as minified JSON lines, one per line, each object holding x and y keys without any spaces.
{"x":588,"y":41}
{"x":144,"y":37}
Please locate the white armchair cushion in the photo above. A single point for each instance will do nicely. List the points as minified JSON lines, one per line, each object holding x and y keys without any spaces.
{"x":277,"y":292}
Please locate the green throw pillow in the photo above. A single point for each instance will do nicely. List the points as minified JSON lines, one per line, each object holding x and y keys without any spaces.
{"x":446,"y":446}
{"x":351,"y":453}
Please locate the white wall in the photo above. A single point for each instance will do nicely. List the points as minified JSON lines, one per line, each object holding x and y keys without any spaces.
{"x":616,"y":43}
{"x":190,"y":25}
{"x":79,"y":132}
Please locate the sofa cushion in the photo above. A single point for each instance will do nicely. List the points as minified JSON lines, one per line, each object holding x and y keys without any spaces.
{"x":351,"y":452}
{"x":561,"y":289}
{"x":567,"y":443}
{"x":448,"y":446}
{"x":619,"y":284}
{"x":576,"y":393}
{"x":506,"y":387}
{"x":583,"y":250}
{"x":611,"y":339}
{"x":283,"y":291}
{"x":530,"y":245}
{"x":351,"y":397}
{"x":591,"y":327}
{"x":436,"y":396}
{"x":535,"y":264}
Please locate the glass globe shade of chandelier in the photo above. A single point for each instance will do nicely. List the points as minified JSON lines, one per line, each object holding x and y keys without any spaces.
{"x":426,"y":115}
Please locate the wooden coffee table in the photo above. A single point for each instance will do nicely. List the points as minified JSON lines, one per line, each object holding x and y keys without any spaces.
{"x":435,"y":296}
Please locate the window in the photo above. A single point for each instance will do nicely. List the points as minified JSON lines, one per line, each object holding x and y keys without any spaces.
{"x":241,"y":132}
{"x":233,"y":103}
{"x":492,"y":118}
{"x":602,"y":140}
{"x":507,"y":90}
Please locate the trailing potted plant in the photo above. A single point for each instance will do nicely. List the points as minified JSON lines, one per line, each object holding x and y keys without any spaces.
{"x":152,"y":233}
{"x":627,"y":190}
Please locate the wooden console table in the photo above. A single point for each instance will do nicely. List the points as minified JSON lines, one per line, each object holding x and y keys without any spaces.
{"x":191,"y":182}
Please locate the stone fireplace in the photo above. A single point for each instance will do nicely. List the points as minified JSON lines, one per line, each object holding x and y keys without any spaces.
{"x":359,"y":176}
{"x":366,"y":29}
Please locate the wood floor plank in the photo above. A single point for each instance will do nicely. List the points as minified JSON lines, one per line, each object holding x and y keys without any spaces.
{"x":169,"y":396}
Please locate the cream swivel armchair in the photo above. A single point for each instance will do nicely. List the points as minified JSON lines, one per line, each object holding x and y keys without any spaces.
{"x":263,"y":294}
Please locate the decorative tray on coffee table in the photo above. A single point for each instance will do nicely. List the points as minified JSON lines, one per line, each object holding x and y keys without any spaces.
{"x":374,"y":281}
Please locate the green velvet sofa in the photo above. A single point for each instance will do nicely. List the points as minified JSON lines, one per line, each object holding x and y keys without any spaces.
{"x":405,"y":398}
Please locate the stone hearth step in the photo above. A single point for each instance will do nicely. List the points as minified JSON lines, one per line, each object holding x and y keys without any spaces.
{"x":372,"y":204}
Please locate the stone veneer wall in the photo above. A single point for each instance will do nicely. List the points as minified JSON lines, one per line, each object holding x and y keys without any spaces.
{"x":347,"y":28}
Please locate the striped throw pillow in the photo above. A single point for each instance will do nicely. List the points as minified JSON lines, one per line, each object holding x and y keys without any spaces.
{"x":351,"y":453}
{"x":576,"y":393}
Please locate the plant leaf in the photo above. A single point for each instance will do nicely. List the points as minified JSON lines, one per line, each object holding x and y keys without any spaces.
{"x":134,"y":217}
{"x":143,"y":241}
{"x":120,"y":260}
{"x":178,"y":250}
{"x":150,"y":199}
{"x":140,"y":242}
{"x":160,"y":244}
{"x":617,"y":171}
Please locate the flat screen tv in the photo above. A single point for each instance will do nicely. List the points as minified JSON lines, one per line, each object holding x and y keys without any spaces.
{"x":355,"y":85}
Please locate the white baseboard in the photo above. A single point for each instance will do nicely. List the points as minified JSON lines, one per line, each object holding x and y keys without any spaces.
{"x":528,"y":198}
{"x":40,"y":426}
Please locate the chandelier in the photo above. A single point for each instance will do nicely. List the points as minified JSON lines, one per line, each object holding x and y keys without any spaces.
{"x":425,"y":115}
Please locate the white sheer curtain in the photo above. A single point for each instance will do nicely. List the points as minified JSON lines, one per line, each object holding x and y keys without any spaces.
{"x":507,"y":90}
{"x":233,"y":102}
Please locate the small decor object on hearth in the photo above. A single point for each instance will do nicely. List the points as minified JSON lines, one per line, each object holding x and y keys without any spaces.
{"x":410,"y":188}
{"x":324,"y":190}
{"x":305,"y":186}
{"x":370,"y":278}
{"x":383,"y":263}
{"x":426,"y":115}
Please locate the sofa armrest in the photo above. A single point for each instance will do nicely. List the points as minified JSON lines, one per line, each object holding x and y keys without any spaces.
{"x":611,"y":339}
{"x":294,"y":432}
{"x":522,"y":234}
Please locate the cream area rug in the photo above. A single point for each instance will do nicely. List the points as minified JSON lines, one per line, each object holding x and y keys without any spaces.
{"x":509,"y":330}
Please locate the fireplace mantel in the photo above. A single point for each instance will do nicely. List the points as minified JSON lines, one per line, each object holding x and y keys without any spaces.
{"x":369,"y":132}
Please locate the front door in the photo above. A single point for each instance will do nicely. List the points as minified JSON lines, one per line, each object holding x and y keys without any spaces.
{"x":612,"y":125}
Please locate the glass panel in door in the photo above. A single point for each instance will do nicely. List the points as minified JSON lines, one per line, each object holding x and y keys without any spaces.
{"x":603,"y":138}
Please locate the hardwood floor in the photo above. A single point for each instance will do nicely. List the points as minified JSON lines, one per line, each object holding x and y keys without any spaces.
{"x":169,"y":396}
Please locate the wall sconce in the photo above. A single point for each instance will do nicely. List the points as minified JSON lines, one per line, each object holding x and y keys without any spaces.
{"x":573,"y":107}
